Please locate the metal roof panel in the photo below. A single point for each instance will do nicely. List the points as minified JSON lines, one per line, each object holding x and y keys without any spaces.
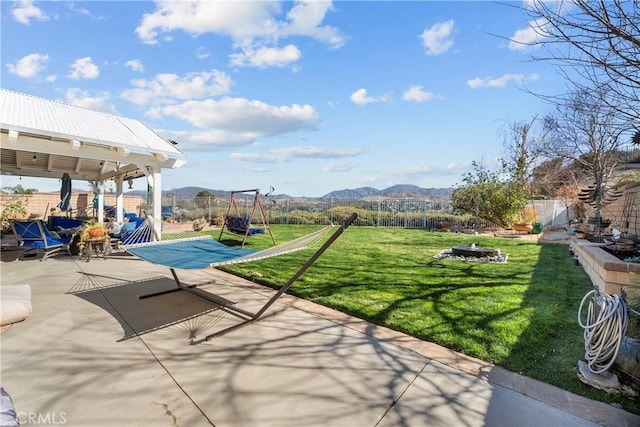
{"x":40,"y":116}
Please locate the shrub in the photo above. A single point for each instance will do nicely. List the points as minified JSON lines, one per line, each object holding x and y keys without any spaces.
{"x":15,"y":210}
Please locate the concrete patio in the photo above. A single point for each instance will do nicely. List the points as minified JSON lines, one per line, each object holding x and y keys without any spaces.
{"x":94,"y":354}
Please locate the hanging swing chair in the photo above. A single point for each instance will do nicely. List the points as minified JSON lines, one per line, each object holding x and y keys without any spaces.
{"x":238,"y":223}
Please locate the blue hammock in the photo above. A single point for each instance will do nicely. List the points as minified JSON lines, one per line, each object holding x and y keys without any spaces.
{"x":189,"y":253}
{"x":204,"y":251}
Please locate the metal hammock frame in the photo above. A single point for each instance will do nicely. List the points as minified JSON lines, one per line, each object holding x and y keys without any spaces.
{"x":284,"y":248}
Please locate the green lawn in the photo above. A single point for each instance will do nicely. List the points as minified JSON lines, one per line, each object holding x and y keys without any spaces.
{"x":521,"y":315}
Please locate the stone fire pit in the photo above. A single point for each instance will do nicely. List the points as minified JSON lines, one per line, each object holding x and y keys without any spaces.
{"x":474,"y":251}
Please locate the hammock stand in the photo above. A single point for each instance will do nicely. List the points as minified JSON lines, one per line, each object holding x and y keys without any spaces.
{"x":241,"y":224}
{"x":169,"y":256}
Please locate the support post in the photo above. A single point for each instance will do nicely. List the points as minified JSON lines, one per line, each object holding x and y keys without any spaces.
{"x":119,"y":198}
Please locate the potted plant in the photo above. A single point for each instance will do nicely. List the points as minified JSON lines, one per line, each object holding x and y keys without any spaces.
{"x":199,"y":224}
{"x":91,"y":231}
{"x":525,"y":219}
{"x":581,"y":233}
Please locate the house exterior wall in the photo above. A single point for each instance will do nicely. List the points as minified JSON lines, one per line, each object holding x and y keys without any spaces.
{"x":40,"y":205}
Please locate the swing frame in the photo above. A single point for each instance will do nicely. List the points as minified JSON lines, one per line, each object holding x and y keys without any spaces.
{"x":257,"y":205}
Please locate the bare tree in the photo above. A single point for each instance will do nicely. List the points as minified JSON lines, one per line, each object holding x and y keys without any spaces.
{"x":587,"y":131}
{"x":552,"y":177}
{"x":595,"y":44}
{"x":524,"y":144}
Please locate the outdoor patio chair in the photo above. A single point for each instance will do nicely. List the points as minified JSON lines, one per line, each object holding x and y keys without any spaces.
{"x":36,"y":237}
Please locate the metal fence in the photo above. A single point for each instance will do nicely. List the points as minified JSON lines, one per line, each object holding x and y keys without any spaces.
{"x":407,"y":213}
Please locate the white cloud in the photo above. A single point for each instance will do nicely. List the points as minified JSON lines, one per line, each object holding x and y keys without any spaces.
{"x":361,"y":97}
{"x":78,"y":9}
{"x":254,"y":27}
{"x":210,"y":140}
{"x":523,"y":39}
{"x":83,"y":68}
{"x":437,"y":39}
{"x":25,"y":11}
{"x":501,"y":81}
{"x":417,"y":94}
{"x":99,"y":102}
{"x":29,"y":66}
{"x":338,"y":167}
{"x":240,"y":20}
{"x":526,"y":38}
{"x":425,"y":175}
{"x":285,"y":154}
{"x":534,"y":33}
{"x":237,"y":20}
{"x":266,"y":57}
{"x":416,"y":172}
{"x":202,"y":52}
{"x":135,"y":65}
{"x":305,"y":19}
{"x":170,"y":87}
{"x":243,"y":115}
{"x":74,"y":7}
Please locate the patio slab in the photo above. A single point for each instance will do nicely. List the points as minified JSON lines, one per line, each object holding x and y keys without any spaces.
{"x":94,"y":354}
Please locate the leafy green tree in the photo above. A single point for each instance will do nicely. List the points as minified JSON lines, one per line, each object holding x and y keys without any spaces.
{"x":492,"y":196}
{"x":19,"y":189}
{"x":501,"y":196}
{"x":204,"y":199}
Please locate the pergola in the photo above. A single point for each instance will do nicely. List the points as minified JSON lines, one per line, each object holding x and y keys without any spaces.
{"x":45,"y":138}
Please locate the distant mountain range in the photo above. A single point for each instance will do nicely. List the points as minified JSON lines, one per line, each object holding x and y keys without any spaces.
{"x":394,"y":192}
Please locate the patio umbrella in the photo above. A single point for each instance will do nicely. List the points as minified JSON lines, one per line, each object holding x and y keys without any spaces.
{"x":65,"y":194}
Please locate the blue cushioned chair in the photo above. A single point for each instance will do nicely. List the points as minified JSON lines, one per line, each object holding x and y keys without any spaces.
{"x":34,"y":235}
{"x":166,"y":212}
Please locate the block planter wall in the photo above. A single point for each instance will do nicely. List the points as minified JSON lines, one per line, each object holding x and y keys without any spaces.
{"x":606,"y":271}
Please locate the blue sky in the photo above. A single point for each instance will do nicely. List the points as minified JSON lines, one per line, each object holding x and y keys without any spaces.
{"x":307,"y":97}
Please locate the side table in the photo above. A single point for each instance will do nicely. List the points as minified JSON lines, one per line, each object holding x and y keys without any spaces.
{"x":97,"y":246}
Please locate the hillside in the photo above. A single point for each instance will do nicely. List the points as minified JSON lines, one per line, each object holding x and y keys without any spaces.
{"x":369,"y":193}
{"x":393,"y":192}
